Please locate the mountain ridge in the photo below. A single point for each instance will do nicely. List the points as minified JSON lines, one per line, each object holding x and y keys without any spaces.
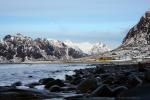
{"x":88,"y":48}
{"x":136,"y":44}
{"x":140,"y":33}
{"x":19,"y":48}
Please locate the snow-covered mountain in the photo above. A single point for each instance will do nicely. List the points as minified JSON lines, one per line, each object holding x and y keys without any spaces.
{"x":140,"y":33}
{"x":87,"y":47}
{"x":136,"y":44}
{"x":99,"y":48}
{"x":21,"y":48}
{"x":56,"y":43}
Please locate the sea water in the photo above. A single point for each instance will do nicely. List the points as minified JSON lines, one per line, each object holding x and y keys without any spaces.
{"x":28,"y":73}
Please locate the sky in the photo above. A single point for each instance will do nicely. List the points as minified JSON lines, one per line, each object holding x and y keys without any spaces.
{"x":106,"y":21}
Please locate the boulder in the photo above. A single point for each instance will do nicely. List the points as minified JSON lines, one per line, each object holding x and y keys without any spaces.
{"x":92,"y":98}
{"x":30,"y":76}
{"x":32,"y":85}
{"x":121,"y":79}
{"x":104,"y":75}
{"x":65,"y":89}
{"x":55,"y":88}
{"x":141,"y":67}
{"x":9,"y":93}
{"x":138,"y":93}
{"x":74,"y":97}
{"x":134,"y":81}
{"x":55,"y":82}
{"x":99,"y":80}
{"x":103,"y":91}
{"x":6,"y":88}
{"x":87,"y":85}
{"x":16,"y":84}
{"x":76,"y":80}
{"x":99,"y":70}
{"x":68,"y":78}
{"x":147,"y":76}
{"x":119,"y":90}
{"x":44,"y":81}
{"x":109,"y":80}
{"x":10,"y":96}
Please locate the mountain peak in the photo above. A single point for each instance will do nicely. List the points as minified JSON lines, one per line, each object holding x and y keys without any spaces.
{"x":147,"y":14}
{"x":22,"y":47}
{"x":137,"y":41}
{"x":140,"y":33}
{"x":87,"y":47}
{"x":57,"y":43}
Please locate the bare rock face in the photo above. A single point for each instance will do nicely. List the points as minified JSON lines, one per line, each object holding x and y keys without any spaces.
{"x":140,"y":33}
{"x":20,"y":48}
{"x":136,"y":44}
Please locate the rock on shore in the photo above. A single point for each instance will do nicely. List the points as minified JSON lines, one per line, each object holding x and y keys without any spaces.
{"x":102,"y":82}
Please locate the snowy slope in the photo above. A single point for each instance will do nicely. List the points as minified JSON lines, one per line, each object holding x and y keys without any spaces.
{"x":87,"y":47}
{"x":139,"y":34}
{"x":56,"y":43}
{"x":19,"y":48}
{"x":99,"y":48}
{"x":136,"y":44}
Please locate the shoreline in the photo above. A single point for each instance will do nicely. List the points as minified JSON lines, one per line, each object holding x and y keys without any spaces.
{"x":104,"y":80}
{"x":109,"y":81}
{"x":80,"y":62}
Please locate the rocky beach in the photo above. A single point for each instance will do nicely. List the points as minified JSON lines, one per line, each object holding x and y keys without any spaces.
{"x":72,"y":50}
{"x":103,"y":82}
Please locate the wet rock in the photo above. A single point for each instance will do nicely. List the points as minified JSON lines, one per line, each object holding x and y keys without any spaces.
{"x":87,"y":86}
{"x":99,"y":70}
{"x":127,"y":73}
{"x":9,"y":93}
{"x":99,"y":80}
{"x":32,"y":85}
{"x":121,"y":79}
{"x":76,"y":80}
{"x":68,"y":78}
{"x":44,"y":81}
{"x":30,"y":76}
{"x":6,"y":88}
{"x":104,"y":75}
{"x":103,"y":91}
{"x":141,"y":76}
{"x":79,"y":72}
{"x":138,"y":93}
{"x":10,"y":96}
{"x":16,"y":84}
{"x":94,"y":98}
{"x":119,"y":90}
{"x":134,"y":81}
{"x":141,"y":67}
{"x":74,"y":97}
{"x":147,"y":76}
{"x":55,"y":82}
{"x":65,"y":89}
{"x":109,"y":80}
{"x":55,"y":88}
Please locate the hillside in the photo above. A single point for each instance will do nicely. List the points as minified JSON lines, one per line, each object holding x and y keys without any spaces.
{"x":21,"y":48}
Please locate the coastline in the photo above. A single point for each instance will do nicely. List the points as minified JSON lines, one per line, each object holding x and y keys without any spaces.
{"x":105,"y":80}
{"x":117,"y":62}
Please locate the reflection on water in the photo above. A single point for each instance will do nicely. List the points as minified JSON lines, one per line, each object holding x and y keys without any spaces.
{"x":27,"y":73}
